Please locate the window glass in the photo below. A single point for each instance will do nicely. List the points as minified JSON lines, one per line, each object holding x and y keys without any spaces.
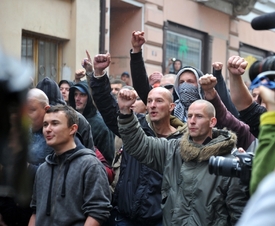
{"x":43,"y":53}
{"x":250,"y":54}
{"x":184,"y":48}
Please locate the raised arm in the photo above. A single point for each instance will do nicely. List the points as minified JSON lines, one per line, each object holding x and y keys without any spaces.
{"x":240,"y":94}
{"x":101,"y":90}
{"x":167,"y":69}
{"x":222,"y":90}
{"x":138,"y":71}
{"x":249,"y":111}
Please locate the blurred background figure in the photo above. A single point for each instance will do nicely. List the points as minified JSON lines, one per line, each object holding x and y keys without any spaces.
{"x":177,"y":65}
{"x":125,"y":76}
{"x":116,"y":86}
{"x":64,"y":86}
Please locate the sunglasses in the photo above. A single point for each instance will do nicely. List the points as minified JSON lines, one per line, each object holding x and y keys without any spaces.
{"x":168,"y":86}
{"x":264,"y":79}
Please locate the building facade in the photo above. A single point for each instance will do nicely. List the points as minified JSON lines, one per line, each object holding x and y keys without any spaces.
{"x":54,"y":34}
{"x":198,"y":32}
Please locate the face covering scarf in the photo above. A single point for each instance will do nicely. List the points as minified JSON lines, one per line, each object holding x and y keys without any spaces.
{"x":187,"y":95}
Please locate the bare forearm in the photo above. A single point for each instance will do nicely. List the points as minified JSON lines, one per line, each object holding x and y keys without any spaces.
{"x":32,"y":220}
{"x":91,"y":222}
{"x":239,"y":93}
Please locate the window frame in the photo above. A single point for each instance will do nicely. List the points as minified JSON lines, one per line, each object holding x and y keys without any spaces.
{"x":255,"y":52}
{"x":205,"y":38}
{"x":36,"y":37}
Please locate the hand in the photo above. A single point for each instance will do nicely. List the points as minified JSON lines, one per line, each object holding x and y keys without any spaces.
{"x":217,"y":66}
{"x":125,"y":99}
{"x":236,"y":65}
{"x":170,"y":62}
{"x":268,"y":97}
{"x":80,"y":73}
{"x":87,"y":63}
{"x":137,"y":40}
{"x":101,"y":62}
{"x":208,"y":82}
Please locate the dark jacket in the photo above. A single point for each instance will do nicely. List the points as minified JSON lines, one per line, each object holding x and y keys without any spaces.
{"x":140,"y":77}
{"x":251,"y":116}
{"x":137,"y":195}
{"x":190,"y":195}
{"x":103,"y":137}
{"x":70,"y":187}
{"x":223,"y":92}
{"x":225,"y":119}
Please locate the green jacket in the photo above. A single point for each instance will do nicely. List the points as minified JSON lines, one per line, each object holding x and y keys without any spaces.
{"x":190,"y":195}
{"x":264,"y":160}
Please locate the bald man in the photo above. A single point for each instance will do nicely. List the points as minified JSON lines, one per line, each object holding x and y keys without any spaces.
{"x":37,"y":105}
{"x":137,"y":197}
{"x":190,"y":195}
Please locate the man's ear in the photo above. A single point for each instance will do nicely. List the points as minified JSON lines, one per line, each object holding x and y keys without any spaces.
{"x":74,"y":129}
{"x":172,"y":106}
{"x":213,"y":122}
{"x":47,"y":107}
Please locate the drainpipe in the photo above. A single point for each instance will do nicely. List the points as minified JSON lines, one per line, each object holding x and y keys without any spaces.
{"x":102,"y":26}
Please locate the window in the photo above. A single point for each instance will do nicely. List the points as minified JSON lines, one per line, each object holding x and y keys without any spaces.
{"x":186,"y":44}
{"x":251,"y":54}
{"x":184,"y":48}
{"x":44,"y":53}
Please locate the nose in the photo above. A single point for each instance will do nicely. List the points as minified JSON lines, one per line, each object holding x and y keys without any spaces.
{"x":47,"y":128}
{"x":76,"y":96}
{"x":152,"y":104}
{"x":191,"y":119}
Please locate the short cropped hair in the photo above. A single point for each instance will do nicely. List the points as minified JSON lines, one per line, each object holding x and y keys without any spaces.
{"x":69,"y":112}
{"x":117,"y":81}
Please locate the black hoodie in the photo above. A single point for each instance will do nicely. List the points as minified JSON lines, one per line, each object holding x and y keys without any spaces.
{"x":103,"y":137}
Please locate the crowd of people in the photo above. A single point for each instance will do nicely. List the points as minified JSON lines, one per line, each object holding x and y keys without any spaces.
{"x":135,"y":151}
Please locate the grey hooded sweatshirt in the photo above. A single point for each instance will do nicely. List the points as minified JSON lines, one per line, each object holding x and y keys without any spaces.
{"x":70,"y":187}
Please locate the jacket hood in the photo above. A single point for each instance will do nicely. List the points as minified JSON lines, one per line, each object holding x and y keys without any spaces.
{"x":196,"y":72}
{"x":51,"y":89}
{"x":68,"y":156}
{"x":222,"y":143}
{"x":90,"y":109}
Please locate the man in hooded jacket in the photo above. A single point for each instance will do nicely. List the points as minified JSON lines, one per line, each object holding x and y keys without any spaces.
{"x":103,"y":137}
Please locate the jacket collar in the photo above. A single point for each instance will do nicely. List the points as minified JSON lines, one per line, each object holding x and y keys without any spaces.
{"x":222,"y":143}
